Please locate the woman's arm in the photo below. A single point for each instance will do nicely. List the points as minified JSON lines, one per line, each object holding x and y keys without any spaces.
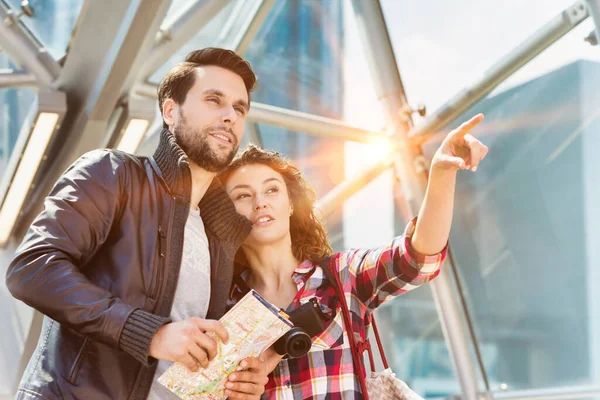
{"x":415,"y":258}
{"x":459,"y":150}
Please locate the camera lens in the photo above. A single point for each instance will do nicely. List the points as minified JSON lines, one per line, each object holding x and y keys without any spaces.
{"x":298,"y":344}
{"x":295,"y":343}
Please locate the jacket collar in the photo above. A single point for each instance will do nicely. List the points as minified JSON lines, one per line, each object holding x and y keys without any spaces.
{"x":216,"y":208}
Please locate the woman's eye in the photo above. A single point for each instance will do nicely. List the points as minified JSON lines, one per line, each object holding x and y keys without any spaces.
{"x":242,"y":196}
{"x":213,"y":99}
{"x":273,"y":190}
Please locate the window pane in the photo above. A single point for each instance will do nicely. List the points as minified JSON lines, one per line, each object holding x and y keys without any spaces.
{"x":526,"y":228}
{"x":415,"y":345}
{"x":297,"y":57}
{"x":52,"y":23}
{"x":444,"y":46}
{"x":361,"y":105}
{"x":208,"y":36}
{"x":16,"y":317}
{"x":14,"y":107}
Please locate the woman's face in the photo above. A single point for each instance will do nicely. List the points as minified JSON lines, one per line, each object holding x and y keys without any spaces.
{"x":260,"y":194}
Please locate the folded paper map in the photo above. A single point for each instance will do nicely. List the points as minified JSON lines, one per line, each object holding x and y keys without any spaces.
{"x":254,"y":325}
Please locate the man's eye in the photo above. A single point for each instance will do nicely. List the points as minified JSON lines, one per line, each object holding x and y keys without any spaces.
{"x":213,"y":99}
{"x":240,"y":110}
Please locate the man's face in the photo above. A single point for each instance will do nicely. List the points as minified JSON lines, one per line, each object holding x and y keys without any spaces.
{"x":209,"y":124}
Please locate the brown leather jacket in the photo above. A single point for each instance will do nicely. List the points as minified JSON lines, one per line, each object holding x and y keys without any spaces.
{"x":102,"y":262}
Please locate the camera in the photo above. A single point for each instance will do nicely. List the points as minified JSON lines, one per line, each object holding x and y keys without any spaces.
{"x":308,"y":321}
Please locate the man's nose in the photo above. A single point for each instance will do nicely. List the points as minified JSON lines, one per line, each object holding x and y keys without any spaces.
{"x":229,"y":115}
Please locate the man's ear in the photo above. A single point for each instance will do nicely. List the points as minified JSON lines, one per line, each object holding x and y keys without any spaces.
{"x":170,"y":111}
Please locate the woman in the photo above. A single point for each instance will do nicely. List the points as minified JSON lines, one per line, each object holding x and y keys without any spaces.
{"x":281,"y":258}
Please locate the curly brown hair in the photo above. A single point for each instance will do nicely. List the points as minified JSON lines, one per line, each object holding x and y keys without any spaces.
{"x":309,"y":238}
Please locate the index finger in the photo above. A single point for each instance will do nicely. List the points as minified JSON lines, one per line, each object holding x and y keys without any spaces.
{"x":467,"y":126}
{"x":211,"y":325}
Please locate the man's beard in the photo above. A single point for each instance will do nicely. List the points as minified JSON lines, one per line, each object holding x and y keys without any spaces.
{"x":194,"y":143}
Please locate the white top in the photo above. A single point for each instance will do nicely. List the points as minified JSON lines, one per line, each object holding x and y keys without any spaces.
{"x":193,"y":288}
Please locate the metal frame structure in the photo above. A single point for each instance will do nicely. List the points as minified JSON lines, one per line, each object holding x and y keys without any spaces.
{"x":173,"y":34}
{"x":593,"y":7}
{"x":296,"y":120}
{"x":96,"y":97}
{"x":390,"y":90}
{"x":509,"y":64}
{"x":252,"y":25}
{"x":17,"y":79}
{"x":24,"y":49}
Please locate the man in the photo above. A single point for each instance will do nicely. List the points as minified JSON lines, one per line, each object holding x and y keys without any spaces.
{"x":132,"y":258}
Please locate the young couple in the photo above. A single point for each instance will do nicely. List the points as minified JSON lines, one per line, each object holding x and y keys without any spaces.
{"x":132,"y":259}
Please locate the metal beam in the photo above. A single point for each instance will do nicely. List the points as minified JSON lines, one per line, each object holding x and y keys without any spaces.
{"x":381,"y":61}
{"x":232,"y":20}
{"x":17,"y":79}
{"x":146,"y":89}
{"x":337,"y":196}
{"x":295,"y":120}
{"x":413,"y":178}
{"x":252,"y":25}
{"x":114,"y":78}
{"x":24,"y":50}
{"x":556,"y":393}
{"x":594,"y":11}
{"x":251,"y":135}
{"x":518,"y":57}
{"x":29,"y":346}
{"x":180,"y":29}
{"x":312,"y":124}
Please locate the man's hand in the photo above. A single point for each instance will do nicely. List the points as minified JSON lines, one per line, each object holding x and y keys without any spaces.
{"x":186,"y":342}
{"x":248,"y":384}
{"x":459,"y":150}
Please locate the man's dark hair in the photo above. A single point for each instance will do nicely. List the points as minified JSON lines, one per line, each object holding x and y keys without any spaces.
{"x":179,"y":80}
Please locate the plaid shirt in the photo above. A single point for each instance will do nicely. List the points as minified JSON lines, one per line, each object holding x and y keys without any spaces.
{"x":369,"y":277}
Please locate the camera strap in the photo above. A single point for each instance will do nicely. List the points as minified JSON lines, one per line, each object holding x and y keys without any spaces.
{"x":357,"y":349}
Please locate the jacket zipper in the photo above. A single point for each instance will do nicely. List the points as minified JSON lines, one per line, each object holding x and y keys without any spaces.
{"x":77,"y":364}
{"x":162,"y":246}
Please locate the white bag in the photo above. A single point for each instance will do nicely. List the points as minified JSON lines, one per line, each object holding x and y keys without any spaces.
{"x":385,"y":386}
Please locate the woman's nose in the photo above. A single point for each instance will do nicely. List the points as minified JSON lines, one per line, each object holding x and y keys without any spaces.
{"x":259,"y":203}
